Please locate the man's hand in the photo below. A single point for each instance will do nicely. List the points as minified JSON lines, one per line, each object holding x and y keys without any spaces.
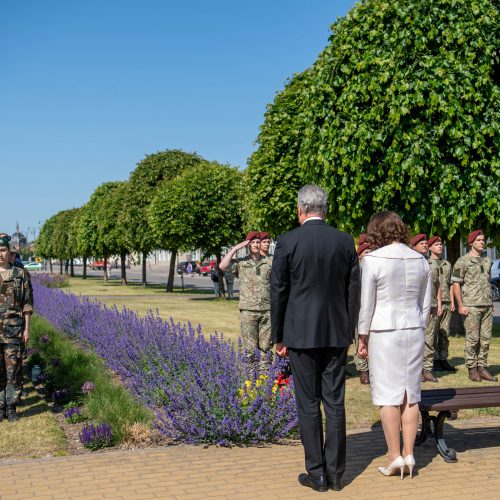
{"x":362,"y":347}
{"x":26,"y":336}
{"x":281,"y":349}
{"x":463,"y":310}
{"x":243,"y":244}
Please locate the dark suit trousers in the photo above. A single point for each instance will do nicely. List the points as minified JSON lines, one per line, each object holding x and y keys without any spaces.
{"x":319,"y":376}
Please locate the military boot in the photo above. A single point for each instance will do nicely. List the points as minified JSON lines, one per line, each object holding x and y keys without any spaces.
{"x":427,"y":376}
{"x":11,"y":414}
{"x":436,"y":366}
{"x":445,"y":366}
{"x":474,"y":375}
{"x":364,"y":378}
{"x":2,"y":414}
{"x":486,"y":375}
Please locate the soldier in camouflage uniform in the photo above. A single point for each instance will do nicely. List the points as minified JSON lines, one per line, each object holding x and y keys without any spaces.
{"x":265,"y":243}
{"x":472,"y":287}
{"x":254,"y":273}
{"x":419,"y":243}
{"x":16,"y":306}
{"x":447,"y":305}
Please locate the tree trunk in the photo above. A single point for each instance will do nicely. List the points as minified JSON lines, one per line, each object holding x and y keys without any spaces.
{"x":453,"y":249}
{"x":123,"y":256}
{"x":72,"y":268}
{"x":60,"y":266}
{"x":105,"y":270}
{"x":453,"y":253}
{"x":66,"y":267}
{"x":144,"y":281}
{"x":84,"y":268}
{"x":222,"y":289}
{"x":50,"y":266}
{"x":171,"y":271}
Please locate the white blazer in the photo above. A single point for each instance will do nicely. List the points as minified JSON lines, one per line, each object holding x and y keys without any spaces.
{"x":395,"y":290}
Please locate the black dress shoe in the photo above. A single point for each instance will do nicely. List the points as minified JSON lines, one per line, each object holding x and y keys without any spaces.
{"x":445,"y":366}
{"x":335,"y":485}
{"x":317,"y":484}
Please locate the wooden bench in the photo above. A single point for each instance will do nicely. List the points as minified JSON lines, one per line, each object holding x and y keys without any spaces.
{"x":447,"y":403}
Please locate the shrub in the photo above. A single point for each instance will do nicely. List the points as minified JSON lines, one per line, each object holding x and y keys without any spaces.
{"x":190,"y":382}
{"x":96,"y":437}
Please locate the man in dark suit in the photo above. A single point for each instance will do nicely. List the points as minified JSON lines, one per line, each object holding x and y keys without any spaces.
{"x":315,"y":289}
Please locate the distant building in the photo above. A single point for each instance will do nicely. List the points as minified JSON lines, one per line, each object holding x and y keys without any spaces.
{"x":18,"y":240}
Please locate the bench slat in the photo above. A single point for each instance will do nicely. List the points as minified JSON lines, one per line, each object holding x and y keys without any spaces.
{"x":460,"y":398}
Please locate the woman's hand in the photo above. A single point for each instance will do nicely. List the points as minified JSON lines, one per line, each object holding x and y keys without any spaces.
{"x":363,"y":346}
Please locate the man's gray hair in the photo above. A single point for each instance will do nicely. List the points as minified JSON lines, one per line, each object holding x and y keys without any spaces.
{"x":312,"y":199}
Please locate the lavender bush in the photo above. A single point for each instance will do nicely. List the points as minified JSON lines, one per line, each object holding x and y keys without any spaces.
{"x":73,"y":414}
{"x":52,"y":280}
{"x":192,"y":384}
{"x":95,"y":437}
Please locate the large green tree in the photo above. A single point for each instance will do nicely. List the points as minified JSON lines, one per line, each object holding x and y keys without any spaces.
{"x":201,"y":208}
{"x":144,"y":181}
{"x":400,"y":111}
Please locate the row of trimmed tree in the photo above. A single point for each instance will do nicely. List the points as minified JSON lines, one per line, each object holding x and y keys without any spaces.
{"x":173,"y":200}
{"x":401,"y":111}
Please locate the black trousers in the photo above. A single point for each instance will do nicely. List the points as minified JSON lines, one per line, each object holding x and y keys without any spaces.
{"x":319,"y":376}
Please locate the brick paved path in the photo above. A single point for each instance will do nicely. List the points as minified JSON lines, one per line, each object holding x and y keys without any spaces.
{"x":261,"y":472}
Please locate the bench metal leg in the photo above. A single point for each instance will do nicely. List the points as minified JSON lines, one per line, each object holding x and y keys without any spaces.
{"x":434,"y":426}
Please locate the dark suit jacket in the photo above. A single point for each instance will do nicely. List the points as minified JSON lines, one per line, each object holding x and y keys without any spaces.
{"x":315,"y":287}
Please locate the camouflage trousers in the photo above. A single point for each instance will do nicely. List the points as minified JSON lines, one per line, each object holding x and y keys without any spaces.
{"x":256,"y":335}
{"x":478,"y":325}
{"x":431,"y":334}
{"x":441,"y":341}
{"x":11,"y":374}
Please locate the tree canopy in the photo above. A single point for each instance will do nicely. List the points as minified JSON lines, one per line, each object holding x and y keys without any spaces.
{"x":400,"y":111}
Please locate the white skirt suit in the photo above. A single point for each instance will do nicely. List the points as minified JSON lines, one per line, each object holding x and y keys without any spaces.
{"x":395,"y":307}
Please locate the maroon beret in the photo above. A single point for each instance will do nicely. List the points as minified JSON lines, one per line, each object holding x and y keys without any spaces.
{"x":253,"y":235}
{"x":433,"y":240}
{"x":362,"y":238}
{"x":418,"y":238}
{"x":264,"y":235}
{"x":362,"y":248}
{"x":472,"y":236}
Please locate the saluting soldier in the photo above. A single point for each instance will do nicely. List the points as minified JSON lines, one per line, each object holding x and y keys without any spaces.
{"x":447,"y":305}
{"x":471,"y":279}
{"x":254,"y":273}
{"x":362,"y":363}
{"x":16,"y":307}
{"x":265,"y":243}
{"x":419,"y":243}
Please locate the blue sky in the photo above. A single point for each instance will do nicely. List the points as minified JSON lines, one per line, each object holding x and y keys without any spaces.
{"x":87,"y":89}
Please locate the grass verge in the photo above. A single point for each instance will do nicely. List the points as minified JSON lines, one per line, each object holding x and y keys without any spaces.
{"x":68,"y":366}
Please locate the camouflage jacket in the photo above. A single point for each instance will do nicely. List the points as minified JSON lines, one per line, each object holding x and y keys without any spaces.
{"x":445,"y":280}
{"x":16,"y":298}
{"x":255,"y":283}
{"x":434,"y":267}
{"x":473,"y":273}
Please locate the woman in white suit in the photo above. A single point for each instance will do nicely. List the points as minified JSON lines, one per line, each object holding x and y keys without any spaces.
{"x":395,"y":307}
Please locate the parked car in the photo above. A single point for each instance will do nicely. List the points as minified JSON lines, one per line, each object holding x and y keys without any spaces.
{"x":495,"y":288}
{"x":495,"y":268}
{"x":33,"y":266}
{"x":97,"y":264}
{"x":181,"y":267}
{"x":206,"y":267}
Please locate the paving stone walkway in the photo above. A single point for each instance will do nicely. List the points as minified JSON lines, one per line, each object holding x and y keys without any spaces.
{"x":269,"y":472}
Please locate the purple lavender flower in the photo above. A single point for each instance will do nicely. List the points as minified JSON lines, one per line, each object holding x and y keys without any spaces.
{"x":95,"y":437}
{"x":189,"y":381}
{"x":42,"y":377}
{"x":44,"y":339}
{"x":59,"y":394}
{"x":55,"y":362}
{"x":73,"y":414}
{"x":31,"y":350}
{"x":87,"y":387}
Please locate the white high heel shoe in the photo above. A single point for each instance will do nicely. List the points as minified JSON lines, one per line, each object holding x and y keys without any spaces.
{"x":391,"y":470}
{"x":409,"y":464}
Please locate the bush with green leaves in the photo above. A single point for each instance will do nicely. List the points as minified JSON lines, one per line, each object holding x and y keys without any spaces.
{"x":400,"y":111}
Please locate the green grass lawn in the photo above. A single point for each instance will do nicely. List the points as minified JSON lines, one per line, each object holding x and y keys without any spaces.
{"x":222,"y":316}
{"x":36,"y":433}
